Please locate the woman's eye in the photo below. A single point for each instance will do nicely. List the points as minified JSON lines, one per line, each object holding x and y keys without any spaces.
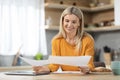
{"x":74,"y":22}
{"x":66,"y":20}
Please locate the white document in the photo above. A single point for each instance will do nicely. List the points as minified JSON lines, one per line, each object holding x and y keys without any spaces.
{"x":64,"y":60}
{"x":59,"y":71}
{"x":70,"y":60}
{"x":67,"y":72}
{"x":35,"y":62}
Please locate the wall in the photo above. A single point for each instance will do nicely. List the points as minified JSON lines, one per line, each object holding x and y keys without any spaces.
{"x":49,"y":35}
{"x":111,"y":39}
{"x":117,"y":12}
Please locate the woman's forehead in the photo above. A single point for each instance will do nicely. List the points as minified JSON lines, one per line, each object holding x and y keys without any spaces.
{"x":71,"y":16}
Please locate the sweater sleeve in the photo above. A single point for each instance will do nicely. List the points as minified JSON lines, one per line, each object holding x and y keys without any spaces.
{"x":55,"y":52}
{"x":90,"y":52}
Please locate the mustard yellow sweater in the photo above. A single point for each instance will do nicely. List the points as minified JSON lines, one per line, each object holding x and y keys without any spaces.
{"x":61,"y":48}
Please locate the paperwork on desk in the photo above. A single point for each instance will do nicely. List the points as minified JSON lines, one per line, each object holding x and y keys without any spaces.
{"x":60,"y":71}
{"x":64,"y":60}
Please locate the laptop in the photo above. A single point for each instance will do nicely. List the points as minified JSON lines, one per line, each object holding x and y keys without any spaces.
{"x":26,"y":73}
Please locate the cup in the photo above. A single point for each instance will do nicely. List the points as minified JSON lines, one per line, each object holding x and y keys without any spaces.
{"x":115,"y":66}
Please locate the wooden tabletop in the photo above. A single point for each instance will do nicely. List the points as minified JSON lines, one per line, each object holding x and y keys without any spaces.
{"x":92,"y":76}
{"x":60,"y":76}
{"x":12,"y":68}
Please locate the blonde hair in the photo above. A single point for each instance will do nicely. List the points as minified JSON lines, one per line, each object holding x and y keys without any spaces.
{"x":79,"y":34}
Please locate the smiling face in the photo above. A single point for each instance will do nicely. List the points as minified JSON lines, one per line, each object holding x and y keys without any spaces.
{"x":70,"y":24}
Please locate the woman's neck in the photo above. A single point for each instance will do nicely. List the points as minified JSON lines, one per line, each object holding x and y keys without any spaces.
{"x":70,"y":39}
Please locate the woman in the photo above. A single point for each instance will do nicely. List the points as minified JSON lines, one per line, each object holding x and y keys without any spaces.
{"x":71,"y":41}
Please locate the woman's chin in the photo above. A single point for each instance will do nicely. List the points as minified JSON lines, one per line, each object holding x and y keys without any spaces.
{"x":69,"y":31}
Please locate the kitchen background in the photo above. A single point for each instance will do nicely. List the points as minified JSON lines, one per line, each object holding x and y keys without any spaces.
{"x":101,"y":21}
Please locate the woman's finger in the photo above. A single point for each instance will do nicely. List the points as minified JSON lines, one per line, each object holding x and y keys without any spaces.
{"x":84,"y":69}
{"x":36,"y":68}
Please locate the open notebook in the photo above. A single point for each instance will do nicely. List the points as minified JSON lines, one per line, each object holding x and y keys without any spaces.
{"x":29,"y":73}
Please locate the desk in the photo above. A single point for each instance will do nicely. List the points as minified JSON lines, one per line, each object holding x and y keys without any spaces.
{"x":92,"y":76}
{"x":2,"y":69}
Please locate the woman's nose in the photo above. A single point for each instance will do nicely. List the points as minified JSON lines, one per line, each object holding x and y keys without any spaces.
{"x":69,"y":24}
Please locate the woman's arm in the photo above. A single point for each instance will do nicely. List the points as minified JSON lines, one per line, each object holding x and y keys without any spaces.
{"x":50,"y":67}
{"x":89,"y":50}
{"x":55,"y":52}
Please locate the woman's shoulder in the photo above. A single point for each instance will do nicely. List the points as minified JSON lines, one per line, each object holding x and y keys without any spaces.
{"x":57,"y":40}
{"x":87,"y":36}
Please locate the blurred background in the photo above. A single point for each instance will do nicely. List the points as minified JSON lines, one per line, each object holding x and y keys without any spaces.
{"x":27,"y":27}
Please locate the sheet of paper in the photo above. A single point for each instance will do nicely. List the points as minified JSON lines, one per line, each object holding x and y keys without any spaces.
{"x":70,"y":60}
{"x":59,"y":71}
{"x":64,"y":60}
{"x":68,"y":72}
{"x":35,"y":62}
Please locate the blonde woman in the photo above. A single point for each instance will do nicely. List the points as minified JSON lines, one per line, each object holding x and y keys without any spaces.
{"x":71,"y":41}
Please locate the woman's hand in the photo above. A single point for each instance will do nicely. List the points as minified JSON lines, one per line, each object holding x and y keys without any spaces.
{"x":84,"y":69}
{"x":39,"y":69}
